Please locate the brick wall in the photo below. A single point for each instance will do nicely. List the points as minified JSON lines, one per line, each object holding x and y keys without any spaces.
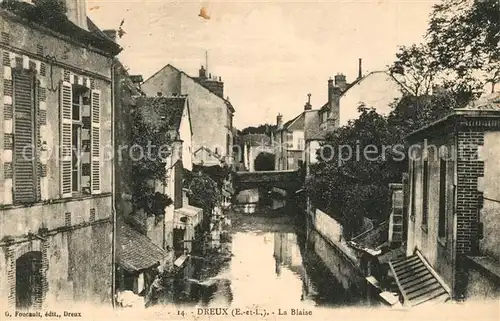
{"x":469,"y":202}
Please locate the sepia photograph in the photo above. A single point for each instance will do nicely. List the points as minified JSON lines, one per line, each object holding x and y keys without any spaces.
{"x":250,"y":160}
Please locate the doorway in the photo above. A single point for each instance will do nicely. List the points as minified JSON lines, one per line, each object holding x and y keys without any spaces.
{"x":28,"y":280}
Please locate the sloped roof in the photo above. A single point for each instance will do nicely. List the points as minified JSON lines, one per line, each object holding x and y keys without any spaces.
{"x":290,"y":122}
{"x":485,"y":103}
{"x":298,"y":122}
{"x":319,"y":135}
{"x":228,"y":104}
{"x":311,"y":124}
{"x":488,"y":105}
{"x":168,"y":109}
{"x":358,"y":81}
{"x":135,"y":251}
{"x":62,"y":25}
{"x":209,"y":152}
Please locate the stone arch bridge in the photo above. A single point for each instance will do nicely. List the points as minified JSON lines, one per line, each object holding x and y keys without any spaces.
{"x":288,"y":180}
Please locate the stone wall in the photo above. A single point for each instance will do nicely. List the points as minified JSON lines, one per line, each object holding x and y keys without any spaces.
{"x":76,"y":252}
{"x":74,"y":234}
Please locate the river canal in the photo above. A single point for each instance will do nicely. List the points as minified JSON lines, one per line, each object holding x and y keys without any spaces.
{"x":271,"y":265}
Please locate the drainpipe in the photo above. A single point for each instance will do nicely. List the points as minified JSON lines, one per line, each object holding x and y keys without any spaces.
{"x":113,"y":207}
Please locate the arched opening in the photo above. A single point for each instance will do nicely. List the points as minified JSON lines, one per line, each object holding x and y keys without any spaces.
{"x":264,"y":162}
{"x":28,"y":280}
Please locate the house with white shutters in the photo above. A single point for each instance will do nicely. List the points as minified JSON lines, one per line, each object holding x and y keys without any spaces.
{"x":56,"y":125}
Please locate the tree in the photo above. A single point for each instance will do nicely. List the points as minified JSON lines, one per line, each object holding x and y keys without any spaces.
{"x":264,"y":162}
{"x":149,"y":169}
{"x":461,"y":51}
{"x":260,"y":129}
{"x":358,"y":161}
{"x":415,"y":69}
{"x":351,"y":182}
{"x":463,"y":36}
{"x":203,"y":192}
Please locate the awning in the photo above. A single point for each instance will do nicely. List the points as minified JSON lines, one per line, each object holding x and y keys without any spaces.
{"x":187,"y":216}
{"x":135,"y":251}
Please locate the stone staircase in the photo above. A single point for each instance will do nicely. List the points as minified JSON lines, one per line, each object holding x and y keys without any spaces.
{"x":417,"y":282}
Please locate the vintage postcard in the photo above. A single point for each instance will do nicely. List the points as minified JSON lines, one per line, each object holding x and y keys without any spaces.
{"x":249,"y":160}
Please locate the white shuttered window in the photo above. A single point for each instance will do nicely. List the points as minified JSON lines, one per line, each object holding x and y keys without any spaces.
{"x":66,"y":139}
{"x":95,"y":174}
{"x":24,"y":156}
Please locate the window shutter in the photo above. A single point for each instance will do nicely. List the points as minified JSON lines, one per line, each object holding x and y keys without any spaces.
{"x":24,"y":184}
{"x":95,"y":165}
{"x":66,"y":139}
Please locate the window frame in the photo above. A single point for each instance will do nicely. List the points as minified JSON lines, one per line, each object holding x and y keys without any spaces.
{"x":413,"y":200}
{"x":34,"y":119}
{"x":443,"y":184}
{"x":425,"y":194}
{"x":80,"y":91}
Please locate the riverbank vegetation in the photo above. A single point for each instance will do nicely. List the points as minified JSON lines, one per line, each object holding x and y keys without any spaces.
{"x":459,"y":58}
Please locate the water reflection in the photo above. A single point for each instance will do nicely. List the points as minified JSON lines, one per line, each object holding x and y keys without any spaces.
{"x":268,"y":270}
{"x":267,"y":263}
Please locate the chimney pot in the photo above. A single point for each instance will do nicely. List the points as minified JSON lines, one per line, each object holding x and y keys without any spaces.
{"x":279,"y":121}
{"x":340,"y":81}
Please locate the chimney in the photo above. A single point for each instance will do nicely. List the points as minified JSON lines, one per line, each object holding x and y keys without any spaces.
{"x":340,"y":81}
{"x":308,"y":106}
{"x":202,"y":73}
{"x":279,"y":121}
{"x":110,"y":33}
{"x":330,"y":89}
{"x":76,"y":11}
{"x":334,"y":93}
{"x":360,"y":70}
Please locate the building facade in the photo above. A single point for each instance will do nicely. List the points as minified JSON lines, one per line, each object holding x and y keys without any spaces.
{"x":55,"y":181}
{"x":376,"y":89}
{"x":211,"y":113}
{"x":453,"y":209}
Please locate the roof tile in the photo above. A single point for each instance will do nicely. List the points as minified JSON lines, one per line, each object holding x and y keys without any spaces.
{"x":135,"y":251}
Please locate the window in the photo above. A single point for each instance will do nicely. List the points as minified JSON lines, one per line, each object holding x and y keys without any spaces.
{"x":24,"y":132}
{"x":324,"y":116}
{"x":413,"y":187}
{"x":300,"y":143}
{"x":289,"y":140}
{"x":80,"y":104}
{"x":80,"y":163}
{"x":442,"y":199}
{"x":425,"y":194}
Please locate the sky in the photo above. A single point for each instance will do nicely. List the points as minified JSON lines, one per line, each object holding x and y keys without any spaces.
{"x":270,"y":54}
